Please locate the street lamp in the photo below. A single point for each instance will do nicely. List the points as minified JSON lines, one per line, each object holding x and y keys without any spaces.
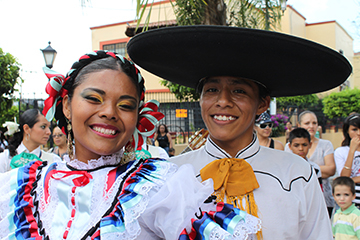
{"x":49,"y":55}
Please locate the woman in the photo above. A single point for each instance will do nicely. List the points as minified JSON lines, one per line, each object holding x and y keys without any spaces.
{"x":321,"y":153}
{"x":163,"y":137}
{"x":347,"y":157}
{"x":60,"y":140}
{"x":101,"y":191}
{"x":263,"y":128}
{"x":25,"y":144}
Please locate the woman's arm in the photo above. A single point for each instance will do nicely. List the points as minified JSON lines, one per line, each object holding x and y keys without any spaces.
{"x":328,"y":169}
{"x":354,"y":144}
{"x":170,"y":140}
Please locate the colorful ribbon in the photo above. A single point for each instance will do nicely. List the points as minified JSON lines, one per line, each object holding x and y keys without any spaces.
{"x":146,"y":127}
{"x":55,"y":90}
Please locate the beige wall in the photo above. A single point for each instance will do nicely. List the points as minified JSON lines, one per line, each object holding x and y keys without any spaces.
{"x":293,"y":23}
{"x":356,"y":71}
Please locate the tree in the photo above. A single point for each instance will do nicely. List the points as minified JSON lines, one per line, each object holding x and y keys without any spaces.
{"x":302,"y":102}
{"x":9,"y":74}
{"x":341,"y":104}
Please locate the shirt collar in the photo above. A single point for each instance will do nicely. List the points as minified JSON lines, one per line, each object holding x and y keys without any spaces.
{"x":21,"y":148}
{"x":348,"y":210}
{"x":250,"y":150}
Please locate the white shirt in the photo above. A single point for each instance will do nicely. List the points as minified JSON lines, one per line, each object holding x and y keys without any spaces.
{"x":5,"y":157}
{"x":289,"y":199}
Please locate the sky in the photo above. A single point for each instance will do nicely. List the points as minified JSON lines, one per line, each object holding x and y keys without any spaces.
{"x":27,"y":26}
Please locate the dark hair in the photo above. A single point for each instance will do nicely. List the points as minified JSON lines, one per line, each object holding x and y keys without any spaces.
{"x":299,"y":133}
{"x":347,"y":181}
{"x":171,"y":150}
{"x":353,"y":120}
{"x":304,"y":113}
{"x":29,"y":117}
{"x":158,"y":129}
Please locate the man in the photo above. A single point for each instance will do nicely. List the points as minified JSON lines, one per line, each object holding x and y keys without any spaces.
{"x":236,"y":71}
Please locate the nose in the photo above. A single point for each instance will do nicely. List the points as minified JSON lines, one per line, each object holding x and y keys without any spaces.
{"x":108,"y":110}
{"x":224,"y":99}
{"x":48,"y":132}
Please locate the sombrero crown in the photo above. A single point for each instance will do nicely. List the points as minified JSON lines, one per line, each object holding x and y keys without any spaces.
{"x":285,"y":64}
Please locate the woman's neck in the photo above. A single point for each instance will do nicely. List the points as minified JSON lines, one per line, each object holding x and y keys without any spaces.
{"x":30,"y":146}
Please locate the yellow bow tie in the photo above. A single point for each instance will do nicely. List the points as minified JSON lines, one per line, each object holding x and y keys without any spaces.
{"x":236,"y":176}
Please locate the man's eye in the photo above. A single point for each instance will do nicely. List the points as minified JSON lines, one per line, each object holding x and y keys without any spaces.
{"x":211,"y":90}
{"x":239,"y":91}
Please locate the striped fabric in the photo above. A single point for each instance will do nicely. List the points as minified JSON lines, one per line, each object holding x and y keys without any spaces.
{"x":346,"y":224}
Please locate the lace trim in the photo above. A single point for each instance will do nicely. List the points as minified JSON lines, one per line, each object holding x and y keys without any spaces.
{"x":113,"y":159}
{"x":246,"y":227}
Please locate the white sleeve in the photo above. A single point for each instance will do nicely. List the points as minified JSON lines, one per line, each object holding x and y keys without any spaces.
{"x":287,"y":149}
{"x":170,"y":209}
{"x":317,"y":224}
{"x":163,"y":154}
{"x":4,"y":161}
{"x":340,"y":156}
{"x":328,"y":148}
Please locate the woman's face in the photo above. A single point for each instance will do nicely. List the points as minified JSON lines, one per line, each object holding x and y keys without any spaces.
{"x":162,"y":128}
{"x":228,"y":107}
{"x":288,"y":125}
{"x":263,"y":132}
{"x":310,"y":123}
{"x":354,"y":131}
{"x":40,"y":132}
{"x":59,"y":137}
{"x":103,"y":113}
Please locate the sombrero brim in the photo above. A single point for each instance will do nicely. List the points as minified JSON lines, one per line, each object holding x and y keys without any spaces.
{"x":285,"y":64}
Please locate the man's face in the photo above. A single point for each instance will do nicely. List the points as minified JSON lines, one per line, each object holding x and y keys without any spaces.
{"x":228,"y":107}
{"x":300,"y":146}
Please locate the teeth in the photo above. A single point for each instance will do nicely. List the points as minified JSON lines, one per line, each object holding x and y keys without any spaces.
{"x":104,"y":131}
{"x":224,"y":118}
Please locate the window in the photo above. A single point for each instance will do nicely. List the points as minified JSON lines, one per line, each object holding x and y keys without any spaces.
{"x":119,"y":48}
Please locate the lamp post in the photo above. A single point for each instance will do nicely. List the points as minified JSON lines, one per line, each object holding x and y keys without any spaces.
{"x":49,"y":55}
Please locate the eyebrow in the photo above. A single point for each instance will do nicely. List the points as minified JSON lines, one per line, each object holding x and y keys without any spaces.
{"x":101,"y":92}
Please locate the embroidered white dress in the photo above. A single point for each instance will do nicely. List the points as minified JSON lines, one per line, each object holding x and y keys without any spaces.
{"x":143,"y":199}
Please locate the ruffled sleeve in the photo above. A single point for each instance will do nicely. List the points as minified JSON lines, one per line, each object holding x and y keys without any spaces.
{"x":176,"y":202}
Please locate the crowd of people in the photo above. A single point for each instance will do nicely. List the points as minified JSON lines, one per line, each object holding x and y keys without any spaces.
{"x":105,"y":179}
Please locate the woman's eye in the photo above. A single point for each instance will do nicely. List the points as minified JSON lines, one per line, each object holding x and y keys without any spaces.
{"x":127,"y":105}
{"x":94,"y":99}
{"x":43,"y":127}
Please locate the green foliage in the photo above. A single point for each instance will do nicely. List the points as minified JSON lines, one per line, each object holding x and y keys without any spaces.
{"x":189,"y":12}
{"x":182,"y":93}
{"x":302,"y":102}
{"x":9,"y":74}
{"x":341,"y":104}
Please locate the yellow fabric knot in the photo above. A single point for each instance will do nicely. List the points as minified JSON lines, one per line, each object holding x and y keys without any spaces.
{"x":235,"y":175}
{"x":235,"y":181}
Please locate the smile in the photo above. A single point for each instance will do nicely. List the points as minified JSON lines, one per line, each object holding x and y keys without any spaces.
{"x":105,"y":131}
{"x":224,"y":118}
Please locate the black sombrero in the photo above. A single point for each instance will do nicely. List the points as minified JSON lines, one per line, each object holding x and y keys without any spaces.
{"x":285,"y":64}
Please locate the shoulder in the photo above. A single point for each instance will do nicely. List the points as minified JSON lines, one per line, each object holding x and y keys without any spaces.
{"x":285,"y":167}
{"x":278,"y":145}
{"x":342,"y":149}
{"x":324,"y":142}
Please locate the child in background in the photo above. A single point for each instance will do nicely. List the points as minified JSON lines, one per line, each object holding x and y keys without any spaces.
{"x":300,"y":143}
{"x":346,"y":223}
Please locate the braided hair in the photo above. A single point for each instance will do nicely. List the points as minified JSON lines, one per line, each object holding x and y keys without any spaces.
{"x":95,"y":62}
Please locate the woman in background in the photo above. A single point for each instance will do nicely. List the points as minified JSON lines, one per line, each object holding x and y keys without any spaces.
{"x":24,"y":146}
{"x":60,"y":141}
{"x":347,"y":157}
{"x":321,"y":152}
{"x":163,"y":137}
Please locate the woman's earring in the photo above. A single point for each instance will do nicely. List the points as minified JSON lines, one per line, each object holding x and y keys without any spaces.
{"x":27,"y":137}
{"x":128,"y":155}
{"x":70,"y":148}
